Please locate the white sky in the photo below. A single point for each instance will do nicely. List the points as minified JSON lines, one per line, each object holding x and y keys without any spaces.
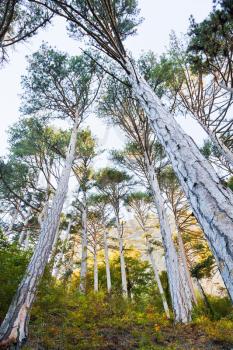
{"x":160,"y":18}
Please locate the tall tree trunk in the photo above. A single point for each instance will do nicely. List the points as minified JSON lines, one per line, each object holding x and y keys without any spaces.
{"x":24,"y":233}
{"x":204,"y":297}
{"x":57,"y":235}
{"x":157,"y":278}
{"x":14,"y":328}
{"x":13,"y":219}
{"x":210,"y":200}
{"x":26,"y":241}
{"x":54,"y":246}
{"x":45,"y":209}
{"x":96,"y":283}
{"x":61,"y":255}
{"x":83,"y":270}
{"x":183,"y":257}
{"x":122,"y":258}
{"x":178,"y":284}
{"x":107,"y":265}
{"x":43,"y":213}
{"x":200,"y":289}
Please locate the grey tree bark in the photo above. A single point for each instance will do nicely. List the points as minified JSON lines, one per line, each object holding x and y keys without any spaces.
{"x":96,"y":283}
{"x":57,"y":234}
{"x":183,"y":257}
{"x":210,"y":200}
{"x":107,"y":265}
{"x":157,"y":278}
{"x":26,"y":241}
{"x":14,"y":328}
{"x":178,"y":284}
{"x":83,"y":270}
{"x":25,"y":234}
{"x":47,"y":199}
{"x":13,"y":219}
{"x":61,"y":255}
{"x":122,"y":258}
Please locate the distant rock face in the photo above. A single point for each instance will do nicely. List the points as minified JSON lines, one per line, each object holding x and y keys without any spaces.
{"x":134,"y":237}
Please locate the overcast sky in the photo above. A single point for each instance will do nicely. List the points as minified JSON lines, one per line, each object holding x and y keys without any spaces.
{"x":160,"y":18}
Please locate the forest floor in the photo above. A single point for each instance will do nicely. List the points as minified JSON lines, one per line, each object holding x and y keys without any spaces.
{"x":95,"y":322}
{"x":64,"y":319}
{"x":143,"y":337}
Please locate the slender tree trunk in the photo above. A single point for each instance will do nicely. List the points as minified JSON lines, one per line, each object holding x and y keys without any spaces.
{"x":57,"y":234}
{"x":43,"y":213}
{"x":83,"y":271}
{"x":26,"y":241}
{"x":96,"y":283}
{"x":54,"y":246}
{"x":129,"y":283}
{"x":157,"y":278}
{"x":22,"y":237}
{"x":183,"y":256}
{"x":24,"y":233}
{"x":48,"y":194}
{"x":107,"y":265}
{"x":61,"y":255}
{"x":14,"y":328}
{"x":13,"y":219}
{"x":178,"y":284}
{"x":204,"y":297}
{"x":219,"y":144}
{"x":200,"y":289}
{"x":210,"y":200}
{"x":122,"y":258}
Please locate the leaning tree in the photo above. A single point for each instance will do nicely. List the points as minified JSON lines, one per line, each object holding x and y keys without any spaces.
{"x":147,"y":159}
{"x":19,"y":194}
{"x":193,"y":90}
{"x":63,"y":87}
{"x":41,"y":148}
{"x":107,"y":23}
{"x":141,"y":204}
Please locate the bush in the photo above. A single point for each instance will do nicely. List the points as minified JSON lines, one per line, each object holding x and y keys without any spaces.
{"x":13,"y":262}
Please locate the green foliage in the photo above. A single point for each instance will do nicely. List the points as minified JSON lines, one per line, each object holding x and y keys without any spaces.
{"x":139,"y":276}
{"x":218,"y":308}
{"x":13,"y":262}
{"x":86,"y":144}
{"x":138,"y":197}
{"x":209,"y":149}
{"x":14,"y":175}
{"x":211,"y":39}
{"x":19,"y":20}
{"x":230,"y":183}
{"x":31,"y":137}
{"x":65,"y":319}
{"x":218,"y":331}
{"x":204,"y":267}
{"x":162,"y":73}
{"x":108,"y":176}
{"x":62,"y":318}
{"x":125,"y":13}
{"x":57,"y":85}
{"x":86,"y":151}
{"x":113,"y":183}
